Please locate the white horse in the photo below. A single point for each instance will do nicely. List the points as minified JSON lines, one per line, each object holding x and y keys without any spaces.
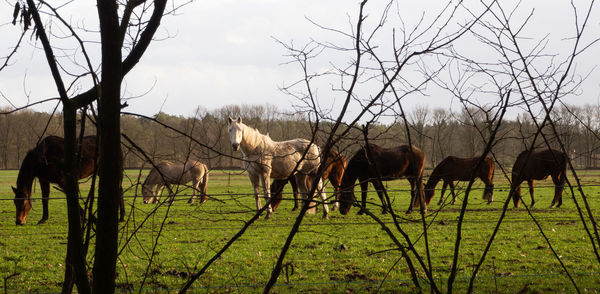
{"x":265,"y":159}
{"x":166,"y":173}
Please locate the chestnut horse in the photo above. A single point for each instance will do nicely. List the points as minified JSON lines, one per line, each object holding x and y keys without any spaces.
{"x":454,"y":168}
{"x":336,"y":163}
{"x":383,"y":164}
{"x":45,"y":162}
{"x":538,"y":165}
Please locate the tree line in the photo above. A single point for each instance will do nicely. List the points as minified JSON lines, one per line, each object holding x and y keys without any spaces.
{"x":439,"y":132}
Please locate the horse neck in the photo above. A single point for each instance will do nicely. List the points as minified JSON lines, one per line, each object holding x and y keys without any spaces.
{"x":253,"y":142}
{"x":434,"y":178}
{"x":150,"y":180}
{"x":26,"y":174}
{"x":350,"y":176}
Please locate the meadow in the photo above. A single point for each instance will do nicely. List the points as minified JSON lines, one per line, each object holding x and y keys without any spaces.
{"x":342,"y":254}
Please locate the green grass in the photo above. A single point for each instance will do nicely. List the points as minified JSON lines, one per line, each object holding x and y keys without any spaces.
{"x":519,"y":259}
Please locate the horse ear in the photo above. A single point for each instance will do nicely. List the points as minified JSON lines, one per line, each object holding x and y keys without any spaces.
{"x":230,"y":119}
{"x":14,"y":189}
{"x":239,"y":120}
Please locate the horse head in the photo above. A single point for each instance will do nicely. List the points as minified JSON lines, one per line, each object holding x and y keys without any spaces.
{"x":346,"y":198}
{"x":22,"y":204}
{"x":429,"y":193}
{"x":147,"y":194}
{"x":235,"y":132}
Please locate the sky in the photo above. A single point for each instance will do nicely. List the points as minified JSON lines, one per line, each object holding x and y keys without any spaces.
{"x":217,"y":53}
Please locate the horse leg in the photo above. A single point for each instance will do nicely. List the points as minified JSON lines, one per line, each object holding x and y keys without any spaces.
{"x":364,"y":186}
{"x":171,"y":192}
{"x":336,"y":198}
{"x":157,"y":193}
{"x":413,"y":196}
{"x":515,"y":192}
{"x":444,"y":186}
{"x":256,"y":185}
{"x":265,"y":181}
{"x":321,"y":191}
{"x":45,"y":187}
{"x":295,"y":191}
{"x":194,"y":189}
{"x":559,"y":184}
{"x":303,"y":190}
{"x":531,"y":185}
{"x":451,"y":184}
{"x":380,"y":188}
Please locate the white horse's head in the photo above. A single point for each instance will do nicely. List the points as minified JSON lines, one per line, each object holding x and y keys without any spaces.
{"x":235,"y":132}
{"x":147,"y":194}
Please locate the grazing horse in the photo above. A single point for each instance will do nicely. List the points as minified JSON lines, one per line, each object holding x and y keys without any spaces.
{"x":45,"y":162}
{"x":375,"y":164}
{"x":166,"y":173}
{"x":336,"y":163}
{"x":265,"y":159}
{"x":454,"y":168}
{"x":538,"y":165}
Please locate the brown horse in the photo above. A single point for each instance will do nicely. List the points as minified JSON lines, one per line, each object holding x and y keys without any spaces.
{"x":454,"y":168}
{"x":538,"y":165}
{"x":383,"y":164}
{"x":336,"y":163}
{"x":45,"y":163}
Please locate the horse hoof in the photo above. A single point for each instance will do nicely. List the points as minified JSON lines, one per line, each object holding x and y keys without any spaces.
{"x":326,"y":216}
{"x":42,"y":221}
{"x":190,"y":202}
{"x":384,"y":211}
{"x":295,"y":208}
{"x":360,"y":212}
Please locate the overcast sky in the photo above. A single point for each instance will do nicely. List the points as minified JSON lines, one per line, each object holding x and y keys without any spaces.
{"x":224,"y":52}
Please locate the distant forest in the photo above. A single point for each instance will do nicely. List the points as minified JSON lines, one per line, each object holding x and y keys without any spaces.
{"x":439,"y":132}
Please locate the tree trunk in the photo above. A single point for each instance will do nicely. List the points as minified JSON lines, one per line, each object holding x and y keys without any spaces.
{"x":110,"y":166}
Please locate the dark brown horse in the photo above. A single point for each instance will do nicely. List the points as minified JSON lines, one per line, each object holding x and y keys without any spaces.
{"x":454,"y":168}
{"x":336,"y":163}
{"x":45,"y":163}
{"x":538,"y":165}
{"x":383,"y":164}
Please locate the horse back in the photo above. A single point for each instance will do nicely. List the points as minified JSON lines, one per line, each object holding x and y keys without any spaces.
{"x":539,"y":165}
{"x":454,"y":168}
{"x":389,"y":163}
{"x":48,"y":158}
{"x":285,"y":156}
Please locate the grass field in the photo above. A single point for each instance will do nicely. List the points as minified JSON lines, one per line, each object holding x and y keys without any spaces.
{"x":343,"y":254}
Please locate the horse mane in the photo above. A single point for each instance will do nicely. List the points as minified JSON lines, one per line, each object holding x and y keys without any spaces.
{"x":26,"y":172}
{"x":253,"y":137}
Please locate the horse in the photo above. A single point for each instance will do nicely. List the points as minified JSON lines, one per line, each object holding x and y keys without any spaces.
{"x":166,"y":173}
{"x":45,"y":162}
{"x":334,"y":171}
{"x":454,"y":168}
{"x":265,"y":159}
{"x":538,"y":165}
{"x":374,"y":164}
